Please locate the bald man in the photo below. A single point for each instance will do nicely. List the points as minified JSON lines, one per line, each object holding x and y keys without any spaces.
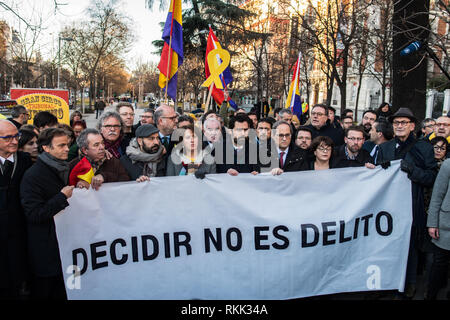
{"x":166,"y":121}
{"x":13,"y":250}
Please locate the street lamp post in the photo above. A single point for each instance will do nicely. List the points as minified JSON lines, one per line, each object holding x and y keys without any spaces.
{"x":59,"y":55}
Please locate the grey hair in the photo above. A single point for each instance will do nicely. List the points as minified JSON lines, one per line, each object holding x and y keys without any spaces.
{"x":17,"y":110}
{"x":109,"y":114}
{"x":426,"y":121}
{"x":82,"y":140}
{"x":211,"y":119}
{"x":284,"y":111}
{"x":279,"y":123}
{"x":157,"y":115}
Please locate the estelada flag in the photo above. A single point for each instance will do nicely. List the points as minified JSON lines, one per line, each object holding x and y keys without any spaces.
{"x":225,"y":76}
{"x":82,"y":171}
{"x":172,"y":54}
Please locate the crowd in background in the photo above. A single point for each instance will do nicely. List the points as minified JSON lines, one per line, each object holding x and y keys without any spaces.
{"x":42,"y":163}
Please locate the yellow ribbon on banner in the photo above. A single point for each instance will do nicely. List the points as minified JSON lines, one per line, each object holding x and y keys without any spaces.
{"x":215,"y":68}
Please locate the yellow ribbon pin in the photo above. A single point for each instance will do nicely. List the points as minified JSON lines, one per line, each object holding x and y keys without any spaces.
{"x":215,"y":68}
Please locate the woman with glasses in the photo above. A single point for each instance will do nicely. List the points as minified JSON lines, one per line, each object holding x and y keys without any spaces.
{"x":322,"y":150}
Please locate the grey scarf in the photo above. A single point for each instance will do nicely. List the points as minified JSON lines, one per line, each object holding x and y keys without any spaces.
{"x":150,"y":160}
{"x":59,"y":165}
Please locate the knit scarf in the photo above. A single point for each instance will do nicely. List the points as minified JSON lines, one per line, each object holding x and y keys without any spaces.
{"x":150,"y":160}
{"x":113,"y":147}
{"x":61,"y":166}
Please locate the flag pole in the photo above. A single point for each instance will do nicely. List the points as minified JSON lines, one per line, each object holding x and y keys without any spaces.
{"x":169,"y":53}
{"x":209,"y":97}
{"x":168,"y":69}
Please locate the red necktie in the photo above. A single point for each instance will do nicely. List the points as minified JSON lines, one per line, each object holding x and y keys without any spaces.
{"x":281,"y":159}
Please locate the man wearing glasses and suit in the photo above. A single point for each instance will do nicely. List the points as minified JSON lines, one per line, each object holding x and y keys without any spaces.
{"x":13,"y":243}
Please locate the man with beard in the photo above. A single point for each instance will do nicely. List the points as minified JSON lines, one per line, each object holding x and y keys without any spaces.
{"x":381,"y":132}
{"x":144,"y":157}
{"x":369,"y":117}
{"x":351,"y":154}
{"x":237,"y":156}
{"x":92,"y":147}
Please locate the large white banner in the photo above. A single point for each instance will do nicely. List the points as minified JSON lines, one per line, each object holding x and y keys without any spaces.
{"x":246,"y":237}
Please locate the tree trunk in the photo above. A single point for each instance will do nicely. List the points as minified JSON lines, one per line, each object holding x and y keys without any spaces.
{"x":409,"y":72}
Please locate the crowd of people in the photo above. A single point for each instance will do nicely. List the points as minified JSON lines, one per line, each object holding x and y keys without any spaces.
{"x":41,"y":164}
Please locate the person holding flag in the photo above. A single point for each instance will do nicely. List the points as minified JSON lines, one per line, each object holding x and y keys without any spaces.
{"x":92,"y":167}
{"x":172,"y":53}
{"x":294,"y":101}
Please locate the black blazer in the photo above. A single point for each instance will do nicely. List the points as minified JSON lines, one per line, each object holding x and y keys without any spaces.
{"x":296,"y":159}
{"x":41,"y":197}
{"x":340,"y":159}
{"x":13,"y":234}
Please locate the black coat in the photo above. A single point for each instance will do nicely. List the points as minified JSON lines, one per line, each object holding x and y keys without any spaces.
{"x":336,"y":134}
{"x":41,"y":197}
{"x":243,"y":161}
{"x":420,"y":154}
{"x":13,"y":244}
{"x":340,"y":159}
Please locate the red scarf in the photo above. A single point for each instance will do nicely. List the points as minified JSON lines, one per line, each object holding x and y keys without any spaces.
{"x":113,"y":147}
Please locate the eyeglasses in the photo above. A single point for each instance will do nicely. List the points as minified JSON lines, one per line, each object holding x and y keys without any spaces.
{"x":403,"y":123}
{"x":319,"y":114}
{"x":324,"y":149}
{"x":109,"y":127}
{"x":355,"y":139}
{"x":10,"y":138}
{"x":442,"y":125}
{"x":430,"y":126}
{"x":440,"y":148}
{"x":171,"y":118}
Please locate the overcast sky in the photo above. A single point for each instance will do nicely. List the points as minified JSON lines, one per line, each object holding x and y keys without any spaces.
{"x":145,"y":23}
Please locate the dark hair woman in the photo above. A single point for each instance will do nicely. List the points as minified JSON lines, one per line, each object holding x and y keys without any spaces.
{"x":322,"y":151}
{"x":28,"y":143}
{"x":188,"y":157}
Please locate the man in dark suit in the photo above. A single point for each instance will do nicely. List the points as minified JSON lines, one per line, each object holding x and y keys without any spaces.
{"x":290,"y":157}
{"x":166,"y":121}
{"x":239,"y":152}
{"x":351,"y":154}
{"x":13,"y":249}
{"x":44,"y":193}
{"x":19,"y":116}
{"x":419,"y":164}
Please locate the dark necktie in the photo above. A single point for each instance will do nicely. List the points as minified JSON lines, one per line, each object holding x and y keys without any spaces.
{"x":281,"y":159}
{"x":8,"y":168}
{"x":166,"y":143}
{"x":375,"y":155}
